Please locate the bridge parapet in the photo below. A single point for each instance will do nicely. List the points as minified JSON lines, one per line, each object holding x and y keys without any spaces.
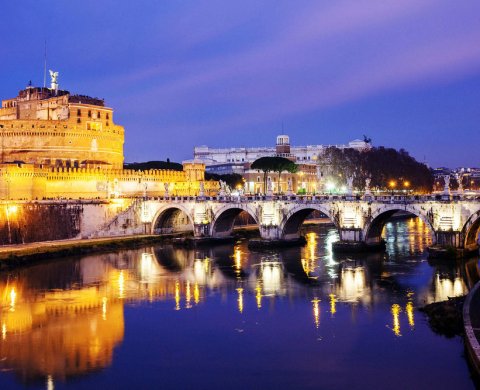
{"x":453,"y":221}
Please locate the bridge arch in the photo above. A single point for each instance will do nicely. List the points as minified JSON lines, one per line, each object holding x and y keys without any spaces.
{"x":290,"y":225}
{"x":172,"y":219}
{"x":372,"y":231}
{"x":471,"y":231}
{"x":224,"y":218}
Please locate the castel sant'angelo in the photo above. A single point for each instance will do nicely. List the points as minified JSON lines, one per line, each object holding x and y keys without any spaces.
{"x":54,"y":144}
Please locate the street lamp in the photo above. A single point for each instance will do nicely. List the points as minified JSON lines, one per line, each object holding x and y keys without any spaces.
{"x":406,"y":184}
{"x":392,"y":185}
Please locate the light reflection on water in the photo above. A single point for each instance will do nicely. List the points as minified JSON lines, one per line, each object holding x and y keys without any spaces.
{"x":66,"y":318}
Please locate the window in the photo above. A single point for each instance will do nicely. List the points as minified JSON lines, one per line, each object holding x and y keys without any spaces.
{"x":89,"y":113}
{"x":79,"y":120}
{"x":108,"y":116}
{"x":79,"y":112}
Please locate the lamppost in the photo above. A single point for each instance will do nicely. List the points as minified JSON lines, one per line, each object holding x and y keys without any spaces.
{"x":406,"y":185}
{"x":392,"y":185}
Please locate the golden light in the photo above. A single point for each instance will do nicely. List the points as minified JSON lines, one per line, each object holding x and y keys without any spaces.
{"x":238,"y":260}
{"x":396,"y":309}
{"x":12,"y":209}
{"x":411,"y":319}
{"x":4,"y":331}
{"x":258,"y":296}
{"x":177,"y":295}
{"x":392,"y":183}
{"x":104,"y":308}
{"x":333,"y":304}
{"x":316,"y":312}
{"x":13,"y":298}
{"x":196,"y":293}
{"x":240,"y":299}
{"x":188,"y":296}
{"x":121,"y":285}
{"x":406,"y":184}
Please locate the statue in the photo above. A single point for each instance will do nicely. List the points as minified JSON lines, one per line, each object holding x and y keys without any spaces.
{"x":459,"y":178}
{"x":54,"y":80}
{"x":289,"y":186}
{"x":245,"y":188}
{"x":269,"y":187}
{"x":202,"y":189}
{"x":222,"y":188}
{"x":446,"y":188}
{"x":166,"y":185}
{"x":350,"y":185}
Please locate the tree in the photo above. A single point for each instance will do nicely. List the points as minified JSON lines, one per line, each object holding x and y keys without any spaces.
{"x":233,"y":180}
{"x":381,"y":164}
{"x":273,"y":164}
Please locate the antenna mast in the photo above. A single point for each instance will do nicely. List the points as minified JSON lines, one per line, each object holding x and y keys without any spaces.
{"x":45,"y":66}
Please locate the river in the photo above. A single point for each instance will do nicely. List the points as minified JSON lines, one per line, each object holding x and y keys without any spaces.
{"x":229,"y":318}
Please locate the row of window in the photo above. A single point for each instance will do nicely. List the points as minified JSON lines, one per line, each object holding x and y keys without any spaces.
{"x":89,"y":114}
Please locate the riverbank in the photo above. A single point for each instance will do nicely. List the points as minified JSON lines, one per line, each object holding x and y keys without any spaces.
{"x":12,"y":256}
{"x":471,"y":318}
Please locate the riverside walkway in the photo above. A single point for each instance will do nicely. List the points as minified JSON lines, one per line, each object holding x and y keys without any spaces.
{"x":471,"y":318}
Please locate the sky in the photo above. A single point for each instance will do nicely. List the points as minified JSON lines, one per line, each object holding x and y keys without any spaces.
{"x":231,"y":73}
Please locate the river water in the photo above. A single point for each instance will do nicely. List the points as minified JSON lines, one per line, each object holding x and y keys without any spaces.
{"x":228,"y":318}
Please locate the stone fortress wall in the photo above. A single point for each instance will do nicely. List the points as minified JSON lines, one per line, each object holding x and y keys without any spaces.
{"x":39,"y":127}
{"x":57,"y":145}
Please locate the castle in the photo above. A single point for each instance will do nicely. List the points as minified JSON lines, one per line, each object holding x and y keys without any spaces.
{"x":54,"y":144}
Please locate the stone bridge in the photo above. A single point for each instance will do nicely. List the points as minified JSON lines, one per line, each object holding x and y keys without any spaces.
{"x":454,"y":221}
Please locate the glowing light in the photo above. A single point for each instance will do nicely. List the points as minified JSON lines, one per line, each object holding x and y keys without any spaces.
{"x":316,"y":312}
{"x":177,"y":295}
{"x":258,"y":296}
{"x":104,"y":308}
{"x":121,"y":285}
{"x":13,"y":298}
{"x":188,"y":296}
{"x":409,"y":309}
{"x":240,"y":299}
{"x":147,"y":267}
{"x":12,"y":209}
{"x":238,"y":260}
{"x":406,"y":184}
{"x":50,"y":385}
{"x":4,"y":331}
{"x":330,"y":186}
{"x":392,"y":184}
{"x":271,"y":277}
{"x":333,"y":304}
{"x":395,"y":310}
{"x":196,"y":293}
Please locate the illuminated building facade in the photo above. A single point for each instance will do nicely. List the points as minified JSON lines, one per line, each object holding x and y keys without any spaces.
{"x":54,"y":144}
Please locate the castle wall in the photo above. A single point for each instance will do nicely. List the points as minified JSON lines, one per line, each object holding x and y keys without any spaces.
{"x":26,"y":181}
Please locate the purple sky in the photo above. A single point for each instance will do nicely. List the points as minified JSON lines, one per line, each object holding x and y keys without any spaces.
{"x":229,"y":73}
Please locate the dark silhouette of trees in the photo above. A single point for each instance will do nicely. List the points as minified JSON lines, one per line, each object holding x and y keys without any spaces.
{"x":273,"y":164}
{"x":382,"y":165}
{"x":145,"y":166}
{"x":232,"y":179}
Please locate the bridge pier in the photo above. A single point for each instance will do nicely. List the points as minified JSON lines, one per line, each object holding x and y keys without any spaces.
{"x":451,"y":244}
{"x":352,"y":240}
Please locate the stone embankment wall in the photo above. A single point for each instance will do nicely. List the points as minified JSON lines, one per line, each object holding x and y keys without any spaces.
{"x":24,"y":222}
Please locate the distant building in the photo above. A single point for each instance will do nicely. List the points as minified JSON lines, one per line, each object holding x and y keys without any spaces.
{"x":232,"y":160}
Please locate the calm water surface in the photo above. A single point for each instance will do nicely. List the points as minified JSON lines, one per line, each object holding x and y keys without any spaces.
{"x":225,"y":317}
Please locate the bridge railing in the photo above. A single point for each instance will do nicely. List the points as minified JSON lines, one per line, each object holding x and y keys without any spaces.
{"x":396,"y":199}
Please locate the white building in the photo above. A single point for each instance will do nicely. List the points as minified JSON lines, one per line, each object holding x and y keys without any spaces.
{"x":233,"y":160}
